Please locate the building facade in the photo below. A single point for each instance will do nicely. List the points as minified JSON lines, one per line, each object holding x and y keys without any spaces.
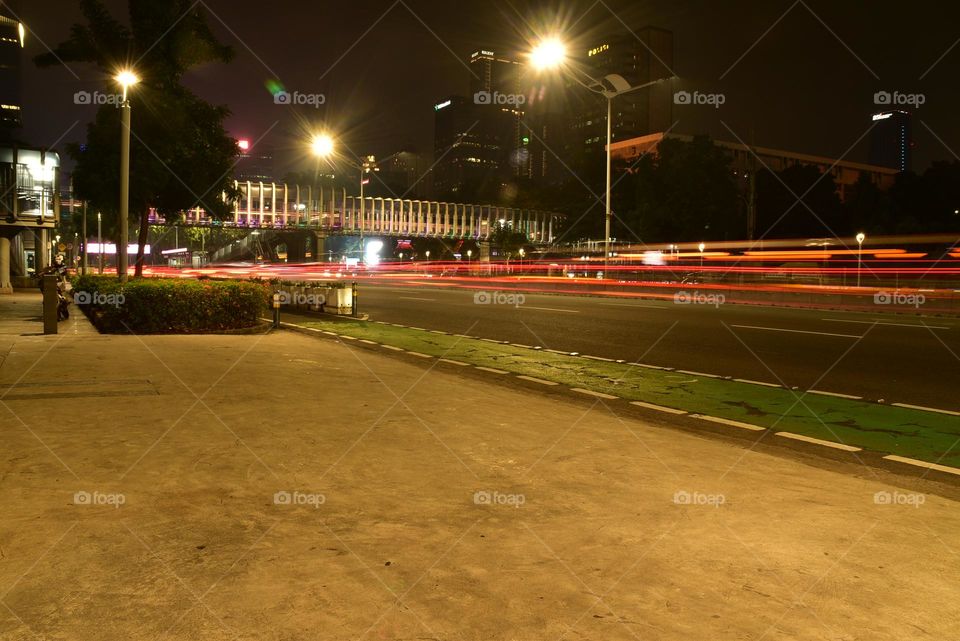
{"x":12,"y":34}
{"x":890,"y":140}
{"x":746,"y":159}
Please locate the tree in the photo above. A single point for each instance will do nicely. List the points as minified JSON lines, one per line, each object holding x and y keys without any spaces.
{"x":685,"y":192}
{"x":181,"y":155}
{"x":780,"y":215}
{"x":506,"y":240}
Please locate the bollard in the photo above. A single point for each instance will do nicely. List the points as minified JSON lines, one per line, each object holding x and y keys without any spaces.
{"x":276,"y":311}
{"x":50,"y":304}
{"x":353,"y":300}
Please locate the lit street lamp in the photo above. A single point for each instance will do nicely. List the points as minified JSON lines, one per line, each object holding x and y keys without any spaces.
{"x":126,"y":79}
{"x":552,"y":54}
{"x":860,"y":238}
{"x":701,"y":247}
{"x":323,"y":146}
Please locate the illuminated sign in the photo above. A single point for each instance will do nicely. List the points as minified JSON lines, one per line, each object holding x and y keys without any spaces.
{"x":597,"y":50}
{"x":443,"y":104}
{"x":244,"y":144}
{"x":881,"y":116}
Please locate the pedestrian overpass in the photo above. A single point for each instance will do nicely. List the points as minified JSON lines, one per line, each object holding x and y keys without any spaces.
{"x":332,"y":212}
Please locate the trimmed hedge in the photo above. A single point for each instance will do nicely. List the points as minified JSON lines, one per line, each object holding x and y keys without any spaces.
{"x":170,"y":306}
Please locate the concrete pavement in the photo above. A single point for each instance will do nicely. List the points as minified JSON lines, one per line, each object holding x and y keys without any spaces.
{"x":278,"y":487}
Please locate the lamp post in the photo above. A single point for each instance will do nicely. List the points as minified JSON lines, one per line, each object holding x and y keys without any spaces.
{"x":99,"y":242}
{"x":701,"y":247}
{"x":323,"y":147}
{"x":126,"y":79}
{"x":860,"y":238}
{"x":552,"y":53}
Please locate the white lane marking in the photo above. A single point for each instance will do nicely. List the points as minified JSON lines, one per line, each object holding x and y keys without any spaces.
{"x":349,"y":338}
{"x":926,"y":409}
{"x":420,"y":355}
{"x":747,"y":380}
{"x":533,"y":379}
{"x":426,"y":300}
{"x":580,"y":390}
{"x":836,"y":394}
{"x":878,"y":322}
{"x":557,"y":351}
{"x":817,"y":441}
{"x":659,"y":408}
{"x":726,"y":421}
{"x":436,"y":331}
{"x":521,"y":345}
{"x":419,"y":329}
{"x":665,"y":369}
{"x":549,"y":309}
{"x":453,"y":362}
{"x":686,"y":371}
{"x":795,"y":331}
{"x":491,"y":370}
{"x":329,"y":333}
{"x":598,"y":358}
{"x":633,"y":306}
{"x":363,"y":340}
{"x":396,"y":349}
{"x":491,"y":340}
{"x":913,"y":461}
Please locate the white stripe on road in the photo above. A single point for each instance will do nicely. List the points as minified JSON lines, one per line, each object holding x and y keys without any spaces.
{"x":926,"y":409}
{"x":659,"y":408}
{"x":844,"y":320}
{"x":817,"y":441}
{"x":747,"y":380}
{"x":453,"y":362}
{"x":420,"y":355}
{"x":633,"y":306}
{"x":836,"y":394}
{"x":726,"y":421}
{"x":533,"y":379}
{"x":580,"y":390}
{"x":492,"y":370}
{"x":931,"y":466}
{"x":686,"y":371}
{"x":795,"y":331}
{"x":549,"y":309}
{"x":396,"y":349}
{"x":598,"y":358}
{"x":363,"y":340}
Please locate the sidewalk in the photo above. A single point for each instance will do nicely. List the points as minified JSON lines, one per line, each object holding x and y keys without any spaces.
{"x":281,"y":487}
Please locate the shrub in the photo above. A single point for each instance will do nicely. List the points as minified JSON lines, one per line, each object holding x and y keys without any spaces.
{"x":166,"y":305}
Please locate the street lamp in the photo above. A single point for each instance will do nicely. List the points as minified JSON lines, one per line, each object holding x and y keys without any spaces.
{"x":860,"y":238}
{"x":522,"y":254}
{"x":324,"y":147}
{"x":126,"y":79}
{"x":551,"y":53}
{"x":701,"y":247}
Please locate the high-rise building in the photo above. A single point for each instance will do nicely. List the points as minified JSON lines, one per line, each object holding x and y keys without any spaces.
{"x":641,"y":58}
{"x":477,"y":139}
{"x":12,"y":33}
{"x":890,"y":141}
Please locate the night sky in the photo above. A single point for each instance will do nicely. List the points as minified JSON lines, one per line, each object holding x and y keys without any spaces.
{"x":800,"y":88}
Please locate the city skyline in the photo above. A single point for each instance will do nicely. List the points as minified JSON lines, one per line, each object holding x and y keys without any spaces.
{"x":758,"y":76}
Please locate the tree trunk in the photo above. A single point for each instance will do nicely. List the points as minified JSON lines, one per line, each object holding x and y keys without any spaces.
{"x":142,"y":241}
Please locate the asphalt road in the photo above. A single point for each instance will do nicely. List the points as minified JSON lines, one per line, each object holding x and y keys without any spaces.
{"x":897,"y":358}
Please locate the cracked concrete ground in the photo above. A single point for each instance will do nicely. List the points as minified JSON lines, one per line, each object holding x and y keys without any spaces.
{"x":285,"y":488}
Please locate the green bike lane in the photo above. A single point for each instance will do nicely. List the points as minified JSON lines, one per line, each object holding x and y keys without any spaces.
{"x":918,"y":434}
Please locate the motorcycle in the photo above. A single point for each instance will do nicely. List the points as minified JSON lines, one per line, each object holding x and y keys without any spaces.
{"x":59,"y":269}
